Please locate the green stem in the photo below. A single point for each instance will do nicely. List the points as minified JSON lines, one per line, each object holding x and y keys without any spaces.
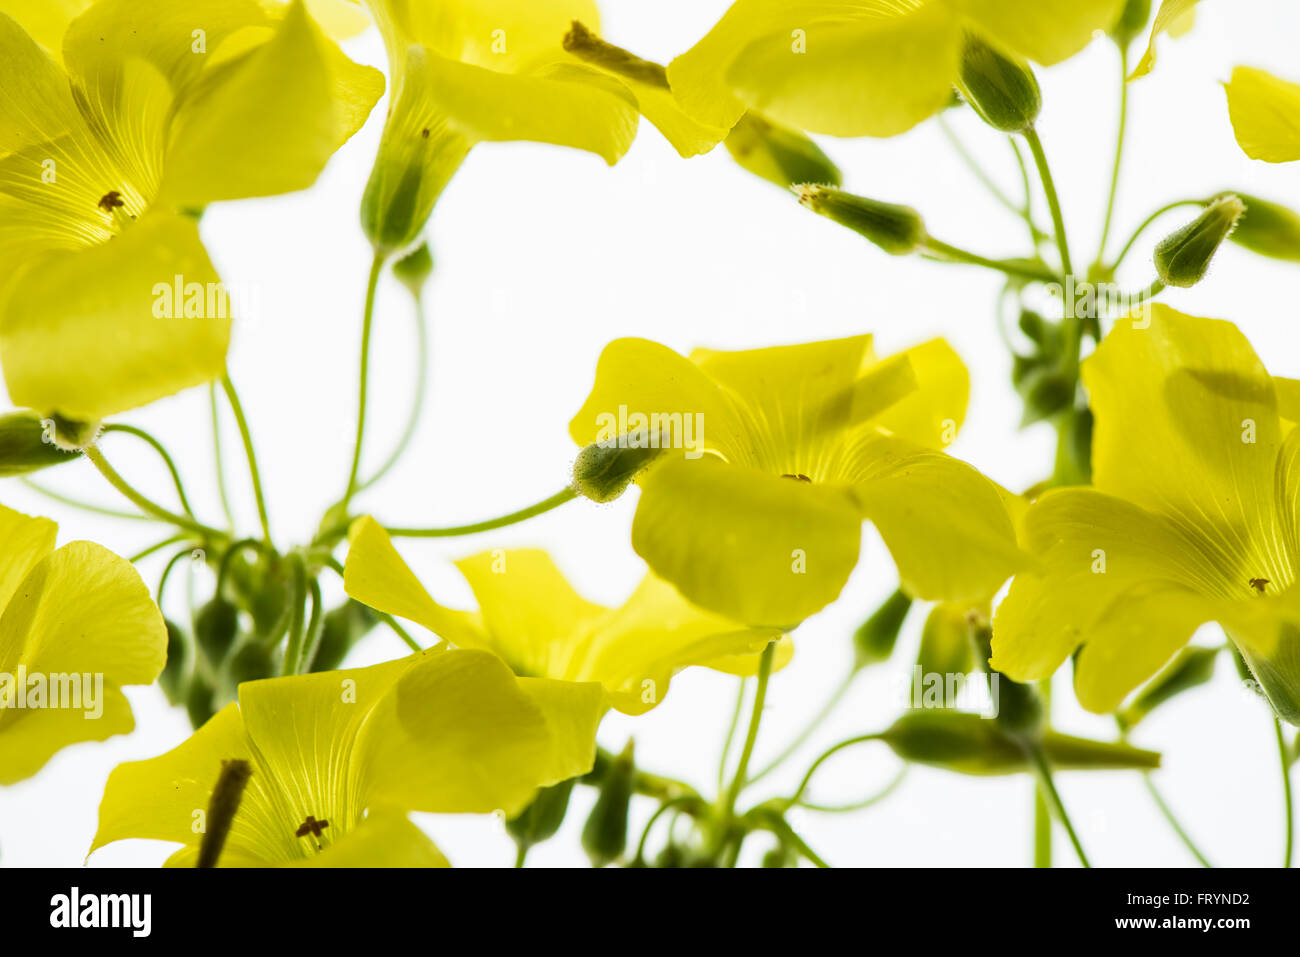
{"x":555,"y":501}
{"x":1042,"y":814}
{"x":156,"y":547}
{"x":417,"y":402}
{"x":949,"y":253}
{"x":247,"y":437}
{"x":980,"y":174}
{"x":333,"y":564}
{"x":825,"y":756}
{"x":163,"y":454}
{"x":1053,"y":200}
{"x":727,"y":809}
{"x":84,"y":506}
{"x":217,"y":456}
{"x":731,"y":733}
{"x":1285,"y":752}
{"x":367,"y":327}
{"x":668,"y":805}
{"x":1168,"y":813}
{"x":97,"y":459}
{"x":1146,"y":224}
{"x":1048,"y":787}
{"x":1119,"y":153}
{"x":865,"y":803}
{"x":292,"y":664}
{"x":825,"y":712}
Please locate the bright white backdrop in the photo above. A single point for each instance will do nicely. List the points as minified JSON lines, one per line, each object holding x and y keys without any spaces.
{"x":543,"y":256}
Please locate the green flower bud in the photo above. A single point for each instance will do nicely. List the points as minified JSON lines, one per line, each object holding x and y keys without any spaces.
{"x":252,"y":662}
{"x":542,"y":819}
{"x":414,"y":269}
{"x":1190,"y":668}
{"x":69,"y":434}
{"x":778,"y":154}
{"x":27,"y":444}
{"x":898,"y":230}
{"x":1266,"y":229}
{"x":604,"y":836}
{"x":945,"y":641}
{"x":1002,"y":90}
{"x":603,"y":471}
{"x":1046,"y":392}
{"x":1277,"y":673}
{"x":1132,"y":22}
{"x":969,"y":744}
{"x":874,"y":641}
{"x":216,"y":626}
{"x":199,"y":701}
{"x":172,"y":679}
{"x":1183,"y":258}
{"x":342,"y":629}
{"x":1020,"y":706}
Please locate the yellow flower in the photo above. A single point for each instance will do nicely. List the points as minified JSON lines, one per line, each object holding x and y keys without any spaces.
{"x":866,"y":68}
{"x":151,"y":112}
{"x":76,"y":624}
{"x":1265,"y":113}
{"x":777,"y":455}
{"x":1193,"y":518}
{"x":471,"y":71}
{"x":531,"y":617}
{"x":339,"y":758}
{"x":1175,"y":17}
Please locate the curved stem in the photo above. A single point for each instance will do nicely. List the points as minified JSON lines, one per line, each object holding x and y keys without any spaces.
{"x":1053,"y":200}
{"x":731,"y":733}
{"x":297,"y":619}
{"x":980,"y":174}
{"x":217,"y":456}
{"x":949,"y":253}
{"x":156,"y":547}
{"x":1168,"y":813}
{"x":555,"y":501}
{"x":96,"y":458}
{"x":1053,"y":797}
{"x":827,"y":708}
{"x":822,"y":759}
{"x":728,"y":801}
{"x":1285,"y":752}
{"x":668,"y":805}
{"x":865,"y":803}
{"x":1146,"y":224}
{"x":84,"y":506}
{"x":417,"y":402}
{"x":247,"y":437}
{"x":1119,"y":152}
{"x":367,"y":327}
{"x":163,"y":454}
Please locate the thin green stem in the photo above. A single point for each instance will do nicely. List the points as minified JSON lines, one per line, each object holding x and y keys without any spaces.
{"x":97,"y":459}
{"x":731,"y":733}
{"x":417,"y":402}
{"x":827,"y":708}
{"x":367,"y":327}
{"x":1285,"y":753}
{"x":1042,"y":814}
{"x":247,"y":437}
{"x":865,"y":803}
{"x":946,"y":252}
{"x":156,"y":547}
{"x":292,"y":664}
{"x":217,"y":456}
{"x":555,"y":501}
{"x":728,"y":803}
{"x":1119,"y":153}
{"x":1044,"y":772}
{"x":334,"y":565}
{"x":1146,"y":224}
{"x":978,"y":171}
{"x":668,"y":805}
{"x":163,"y":454}
{"x":825,"y":756}
{"x":84,"y":506}
{"x":1053,"y":200}
{"x":1168,"y":814}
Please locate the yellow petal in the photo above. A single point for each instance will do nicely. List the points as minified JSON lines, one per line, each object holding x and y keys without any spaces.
{"x":382,"y":840}
{"x":1265,"y":113}
{"x":34,"y":95}
{"x":268,"y":122}
{"x":28,"y":739}
{"x":1046,"y":31}
{"x":97,"y":331}
{"x":933,"y":413}
{"x":758,"y":548}
{"x":943,"y":522}
{"x":26,"y":542}
{"x":1172,"y":14}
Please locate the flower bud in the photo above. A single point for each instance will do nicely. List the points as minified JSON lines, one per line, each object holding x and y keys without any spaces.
{"x":778,"y":154}
{"x":1132,"y":22}
{"x":1267,"y":229}
{"x":414,"y":269}
{"x":1274,"y":668}
{"x":604,"y":836}
{"x":1183,"y":258}
{"x":215,"y":627}
{"x":1191,"y":667}
{"x":69,"y":434}
{"x":199,"y":701}
{"x":898,"y":230}
{"x":604,"y":470}
{"x":172,"y":679}
{"x":874,"y":641}
{"x":27,"y":444}
{"x":343,"y":627}
{"x":1020,"y":706}
{"x":542,"y":819}
{"x":1000,"y":89}
{"x":945,"y":639}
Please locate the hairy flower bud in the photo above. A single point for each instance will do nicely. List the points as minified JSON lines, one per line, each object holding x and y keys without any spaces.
{"x":898,"y":230}
{"x":1002,"y":90}
{"x":1183,"y":258}
{"x":27,"y":444}
{"x":604,"y":470}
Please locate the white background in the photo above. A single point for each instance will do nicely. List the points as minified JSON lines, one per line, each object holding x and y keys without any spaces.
{"x":543,"y":256}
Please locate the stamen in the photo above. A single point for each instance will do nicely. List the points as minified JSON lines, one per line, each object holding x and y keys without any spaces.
{"x":111,"y":200}
{"x":311,"y":826}
{"x":799,"y":477}
{"x":585,"y":45}
{"x":1258,"y":584}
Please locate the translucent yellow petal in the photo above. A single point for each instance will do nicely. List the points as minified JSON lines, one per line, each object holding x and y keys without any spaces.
{"x":383,"y":839}
{"x":1265,"y":113}
{"x":28,"y":739}
{"x":97,"y":331}
{"x":756,"y":547}
{"x":376,"y":575}
{"x":1187,"y":426}
{"x":572,"y":710}
{"x":932,"y":413}
{"x":267,"y":122}
{"x":943,"y":522}
{"x":34,"y":96}
{"x":459,"y":733}
{"x":24,"y":542}
{"x":1172,"y":13}
{"x":44,"y":20}
{"x":747,"y":666}
{"x":1107,"y":569}
{"x":1047,"y":31}
{"x":340,"y":19}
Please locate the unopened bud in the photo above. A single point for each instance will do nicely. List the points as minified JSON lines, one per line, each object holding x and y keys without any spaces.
{"x":604,"y":836}
{"x":27,"y":444}
{"x":1190,"y":668}
{"x":874,"y":641}
{"x":1000,"y":89}
{"x":216,"y":625}
{"x":1267,"y":229}
{"x":1184,"y":258}
{"x":604,"y":470}
{"x":898,"y":230}
{"x":1132,"y":22}
{"x":779,"y":154}
{"x":414,"y":269}
{"x":542,"y":819}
